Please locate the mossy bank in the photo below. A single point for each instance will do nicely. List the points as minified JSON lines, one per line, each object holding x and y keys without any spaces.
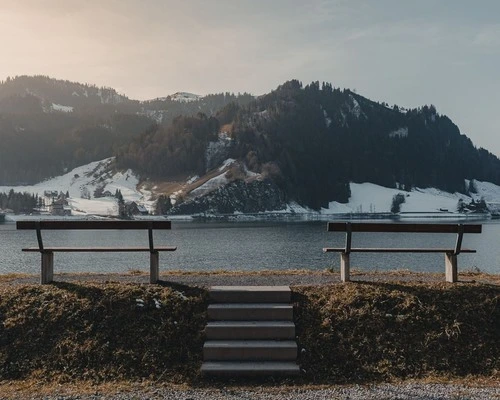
{"x":356,"y":332}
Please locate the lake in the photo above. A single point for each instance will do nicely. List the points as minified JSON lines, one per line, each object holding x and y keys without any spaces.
{"x":217,"y":245}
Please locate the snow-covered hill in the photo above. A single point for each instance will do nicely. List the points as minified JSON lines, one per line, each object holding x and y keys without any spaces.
{"x":181,"y":97}
{"x":370,"y":198}
{"x":82,"y":182}
{"x":184,"y":97}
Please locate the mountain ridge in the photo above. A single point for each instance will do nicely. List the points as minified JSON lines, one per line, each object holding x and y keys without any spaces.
{"x":309,"y":142}
{"x":313,"y":141}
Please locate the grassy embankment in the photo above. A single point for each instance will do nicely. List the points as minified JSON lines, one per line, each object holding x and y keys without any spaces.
{"x":357,"y":332}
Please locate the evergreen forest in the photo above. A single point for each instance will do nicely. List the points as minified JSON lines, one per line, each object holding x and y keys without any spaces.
{"x":310,"y":140}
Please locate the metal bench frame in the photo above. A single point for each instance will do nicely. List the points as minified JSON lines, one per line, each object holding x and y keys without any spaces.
{"x":451,"y":270}
{"x":47,"y":253}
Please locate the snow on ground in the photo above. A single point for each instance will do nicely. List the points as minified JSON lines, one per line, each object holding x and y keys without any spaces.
{"x":226,"y":164}
{"x":249,"y":173}
{"x":489,"y":191}
{"x":371,"y":198}
{"x":184,"y":97}
{"x":59,"y":107}
{"x":295,"y":208}
{"x":101,"y":206}
{"x":210,"y":185}
{"x":83,"y":181}
{"x":356,"y":108}
{"x":72,"y":181}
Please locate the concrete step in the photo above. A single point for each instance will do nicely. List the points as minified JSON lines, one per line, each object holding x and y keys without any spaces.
{"x":250,"y":294}
{"x":250,"y":350}
{"x":249,"y":368}
{"x":250,"y":312}
{"x":251,"y":330}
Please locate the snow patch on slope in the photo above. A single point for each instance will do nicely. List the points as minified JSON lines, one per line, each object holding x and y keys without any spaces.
{"x":184,"y":97}
{"x":371,"y":198}
{"x":84,"y":180}
{"x":356,"y":108}
{"x":61,"y":108}
{"x":401,"y":133}
{"x":489,"y":191}
{"x":210,"y":185}
{"x":221,"y":179}
{"x":226,"y":164}
{"x":365,"y":197}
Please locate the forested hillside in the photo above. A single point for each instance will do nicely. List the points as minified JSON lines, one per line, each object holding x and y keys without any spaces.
{"x":36,"y":146}
{"x":309,"y":141}
{"x":72,"y":96}
{"x":49,"y":126}
{"x":165,"y":110}
{"x":313,"y":140}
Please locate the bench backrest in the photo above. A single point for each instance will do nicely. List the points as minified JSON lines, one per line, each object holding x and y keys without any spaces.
{"x":68,"y":224}
{"x":402,"y":227}
{"x":349,"y":227}
{"x":92,"y":225}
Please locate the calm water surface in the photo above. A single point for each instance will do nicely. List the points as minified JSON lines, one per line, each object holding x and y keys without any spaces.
{"x":243,"y":246}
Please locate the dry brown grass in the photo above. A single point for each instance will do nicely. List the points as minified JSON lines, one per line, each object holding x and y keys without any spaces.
{"x":99,"y":333}
{"x":227,"y":128}
{"x":178,"y":183}
{"x":392,"y":330}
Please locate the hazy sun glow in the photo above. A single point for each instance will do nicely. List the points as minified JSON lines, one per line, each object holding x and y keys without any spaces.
{"x":411,"y":53}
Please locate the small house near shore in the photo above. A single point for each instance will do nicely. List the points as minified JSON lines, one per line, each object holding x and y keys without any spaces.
{"x":60,"y":207}
{"x":132,"y":208}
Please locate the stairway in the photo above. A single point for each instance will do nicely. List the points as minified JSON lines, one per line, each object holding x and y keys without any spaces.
{"x":250,"y":332}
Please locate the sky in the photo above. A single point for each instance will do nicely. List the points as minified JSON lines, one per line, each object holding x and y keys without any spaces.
{"x":404,"y":52}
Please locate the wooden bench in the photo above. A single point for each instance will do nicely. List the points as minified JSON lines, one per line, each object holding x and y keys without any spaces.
{"x":47,"y":253}
{"x":450,"y":254}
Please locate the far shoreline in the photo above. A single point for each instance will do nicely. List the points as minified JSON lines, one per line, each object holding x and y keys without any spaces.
{"x":274,"y":216}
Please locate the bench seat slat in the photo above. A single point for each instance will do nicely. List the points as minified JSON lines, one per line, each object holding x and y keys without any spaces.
{"x":99,"y":249}
{"x":401,"y":228}
{"x":93,"y":225}
{"x":393,"y":250}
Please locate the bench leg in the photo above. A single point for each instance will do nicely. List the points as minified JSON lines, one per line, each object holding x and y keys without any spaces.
{"x":451,"y":270}
{"x":344,"y":267}
{"x":47,"y":273}
{"x":154,"y":267}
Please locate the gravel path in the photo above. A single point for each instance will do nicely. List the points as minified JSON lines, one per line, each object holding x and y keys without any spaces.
{"x":207,"y":279}
{"x":410,"y":391}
